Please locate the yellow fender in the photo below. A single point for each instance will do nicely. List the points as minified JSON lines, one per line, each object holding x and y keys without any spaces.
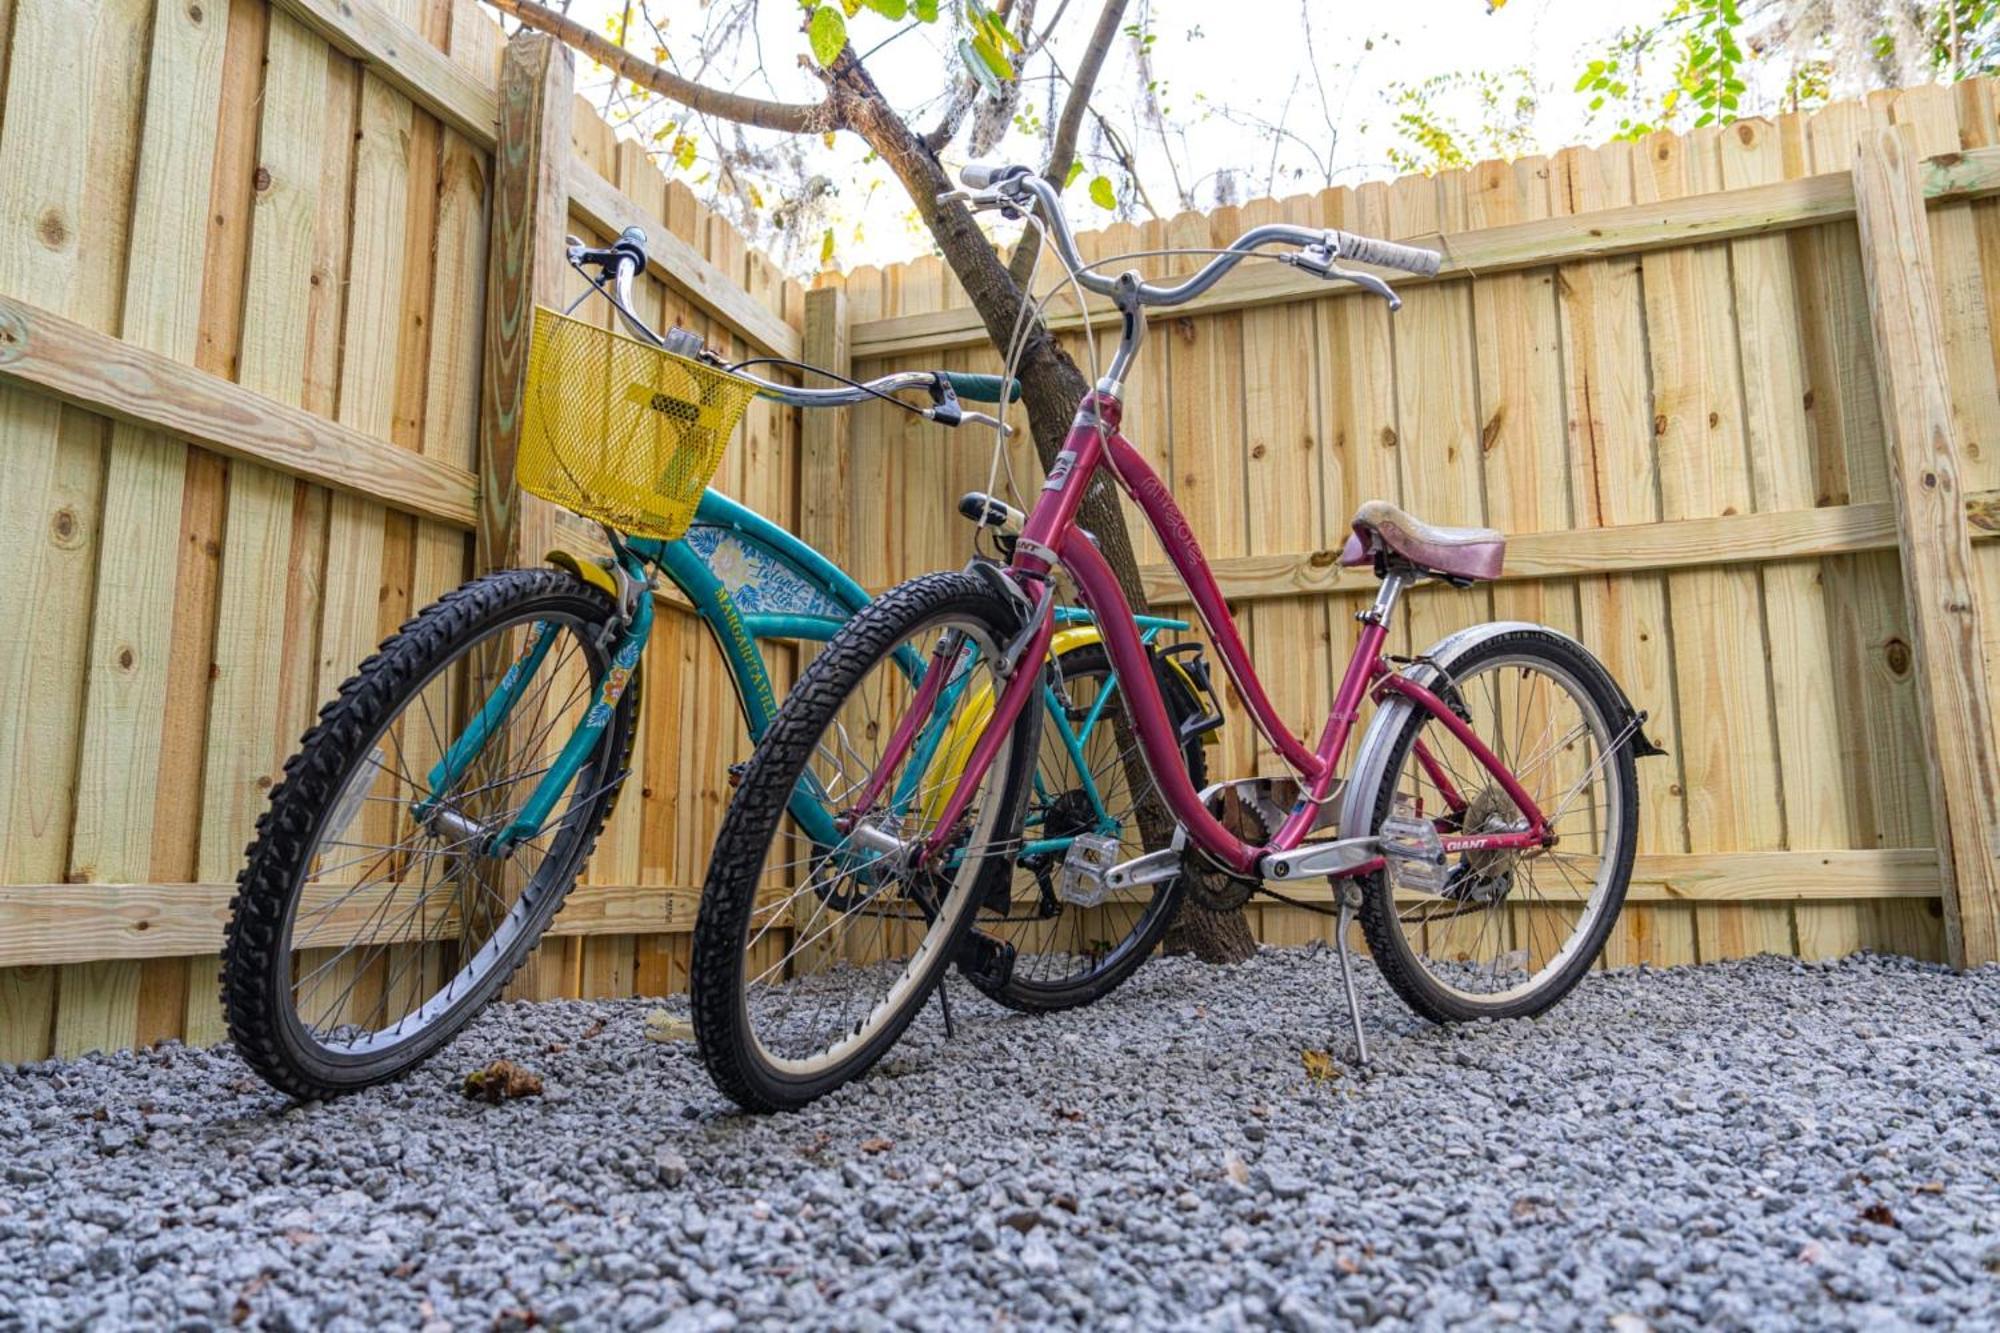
{"x":941,"y":778}
{"x":588,"y":570}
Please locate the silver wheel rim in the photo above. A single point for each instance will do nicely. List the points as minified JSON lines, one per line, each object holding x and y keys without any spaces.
{"x":1553,"y":900}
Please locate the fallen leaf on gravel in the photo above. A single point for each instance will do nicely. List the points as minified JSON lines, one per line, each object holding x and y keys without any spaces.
{"x":1347,"y":1265}
{"x":877,"y":1145}
{"x":1022,"y":1220}
{"x":1238,"y":1170}
{"x":1879,"y":1214}
{"x":1931,"y":1187}
{"x":1067,"y":1113}
{"x":663,"y":1026}
{"x":1319,"y":1066}
{"x":501,"y":1081}
{"x":593,"y":1030}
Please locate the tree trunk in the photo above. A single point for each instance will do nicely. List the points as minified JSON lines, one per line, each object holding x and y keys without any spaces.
{"x":1051,"y":388}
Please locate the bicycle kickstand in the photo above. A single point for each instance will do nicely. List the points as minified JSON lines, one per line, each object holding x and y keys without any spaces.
{"x":1349,"y":894}
{"x":950,"y":1030}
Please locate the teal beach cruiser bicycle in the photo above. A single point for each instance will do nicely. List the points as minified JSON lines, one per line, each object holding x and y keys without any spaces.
{"x":432,"y":822}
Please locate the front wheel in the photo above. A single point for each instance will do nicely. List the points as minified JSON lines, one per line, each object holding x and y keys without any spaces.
{"x":815,"y":946}
{"x":1507,"y":934}
{"x":374,"y":917}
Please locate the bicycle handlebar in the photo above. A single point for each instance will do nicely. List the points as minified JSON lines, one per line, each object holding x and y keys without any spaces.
{"x":1016,"y":187}
{"x":626,"y":259}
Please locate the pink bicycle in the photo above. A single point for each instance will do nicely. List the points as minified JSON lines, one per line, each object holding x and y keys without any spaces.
{"x":1484,"y":835}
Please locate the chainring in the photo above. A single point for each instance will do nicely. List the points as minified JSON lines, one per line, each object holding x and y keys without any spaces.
{"x":1213,"y":888}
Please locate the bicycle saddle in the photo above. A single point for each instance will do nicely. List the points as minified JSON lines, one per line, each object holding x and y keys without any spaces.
{"x":1468,"y":554}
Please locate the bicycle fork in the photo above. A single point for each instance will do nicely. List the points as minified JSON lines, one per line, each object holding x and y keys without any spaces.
{"x":492,"y":717}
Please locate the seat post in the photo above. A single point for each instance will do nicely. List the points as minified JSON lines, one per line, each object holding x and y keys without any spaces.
{"x":1394,"y":582}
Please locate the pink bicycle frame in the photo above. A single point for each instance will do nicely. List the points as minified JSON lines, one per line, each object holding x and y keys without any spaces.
{"x":1051,"y":535}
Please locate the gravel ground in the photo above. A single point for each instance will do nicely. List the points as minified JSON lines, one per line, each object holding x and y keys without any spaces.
{"x":1755,"y":1144}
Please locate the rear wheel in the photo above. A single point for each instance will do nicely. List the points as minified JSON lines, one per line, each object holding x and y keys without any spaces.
{"x":1070,"y":947}
{"x":1508,"y":933}
{"x":814,"y":948}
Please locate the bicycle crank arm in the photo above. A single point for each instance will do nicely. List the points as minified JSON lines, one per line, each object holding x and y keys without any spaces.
{"x":1332,"y":858}
{"x":1151,"y":868}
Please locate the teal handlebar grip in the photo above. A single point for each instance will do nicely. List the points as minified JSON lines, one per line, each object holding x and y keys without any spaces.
{"x":982,"y":388}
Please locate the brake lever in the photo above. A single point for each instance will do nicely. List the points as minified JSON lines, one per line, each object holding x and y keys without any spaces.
{"x":981,"y":419}
{"x":1320,"y":263}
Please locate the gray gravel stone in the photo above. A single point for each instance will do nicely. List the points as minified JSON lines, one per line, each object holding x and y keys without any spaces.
{"x":1764,"y":1144}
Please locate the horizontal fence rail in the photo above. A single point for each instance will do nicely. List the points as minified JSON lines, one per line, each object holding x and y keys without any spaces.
{"x":1754,"y":210}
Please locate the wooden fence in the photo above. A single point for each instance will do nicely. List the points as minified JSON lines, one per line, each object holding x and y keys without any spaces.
{"x":244,"y":298}
{"x":262,"y":271}
{"x":1652,"y":365}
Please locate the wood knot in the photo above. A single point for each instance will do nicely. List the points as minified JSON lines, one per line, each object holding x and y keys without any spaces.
{"x":1897,"y":653}
{"x":1490,"y":435}
{"x":64,"y":528}
{"x":1714,"y":420}
{"x":51,"y":229}
{"x":1388,"y":437}
{"x":1660,"y":424}
{"x":1746,"y":133}
{"x":126,"y":658}
{"x":260,"y":180}
{"x":1321,"y":559}
{"x":1256,"y":451}
{"x":264,"y":782}
{"x":196,"y":14}
{"x":1930,"y":481}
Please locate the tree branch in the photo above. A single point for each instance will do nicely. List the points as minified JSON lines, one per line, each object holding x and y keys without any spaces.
{"x":1062,"y":148}
{"x":788,"y":117}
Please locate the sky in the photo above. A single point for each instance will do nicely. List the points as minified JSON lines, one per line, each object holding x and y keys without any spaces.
{"x":1225,"y":65}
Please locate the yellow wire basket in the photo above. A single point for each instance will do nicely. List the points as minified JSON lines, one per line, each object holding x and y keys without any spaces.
{"x":622,"y":432}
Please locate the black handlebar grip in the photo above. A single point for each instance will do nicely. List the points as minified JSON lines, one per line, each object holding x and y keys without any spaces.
{"x":1388,"y":254}
{"x":632,"y":241}
{"x":983,"y":388}
{"x":982,"y":175}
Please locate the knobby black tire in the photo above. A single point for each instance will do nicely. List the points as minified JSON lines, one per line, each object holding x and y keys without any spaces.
{"x":728,"y":1046}
{"x":255,"y":959}
{"x":1126,"y":955}
{"x":1390,"y":947}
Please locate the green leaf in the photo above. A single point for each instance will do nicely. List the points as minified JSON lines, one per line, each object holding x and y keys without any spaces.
{"x":926,"y":11}
{"x":1002,"y":35}
{"x":1102,"y":194}
{"x":990,"y":54}
{"x":826,"y":248}
{"x":889,"y":9}
{"x":829,"y":33}
{"x":983,"y":75}
{"x":1075,"y":170}
{"x":683,"y":152}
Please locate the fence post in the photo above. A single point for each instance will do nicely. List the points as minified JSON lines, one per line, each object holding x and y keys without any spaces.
{"x":524,"y":267}
{"x":1955,"y":715}
{"x":823,"y":497}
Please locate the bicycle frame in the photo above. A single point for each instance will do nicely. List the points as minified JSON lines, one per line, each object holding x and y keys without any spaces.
{"x":1051,"y":536}
{"x":811,"y":599}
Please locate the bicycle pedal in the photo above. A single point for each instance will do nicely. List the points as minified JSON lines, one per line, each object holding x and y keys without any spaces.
{"x":1413,"y":852}
{"x":1090,"y":857}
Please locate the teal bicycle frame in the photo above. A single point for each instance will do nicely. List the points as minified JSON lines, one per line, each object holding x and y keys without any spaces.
{"x":749,"y":581}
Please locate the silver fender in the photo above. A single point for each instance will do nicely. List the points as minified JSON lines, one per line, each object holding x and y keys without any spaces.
{"x":1371,"y":760}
